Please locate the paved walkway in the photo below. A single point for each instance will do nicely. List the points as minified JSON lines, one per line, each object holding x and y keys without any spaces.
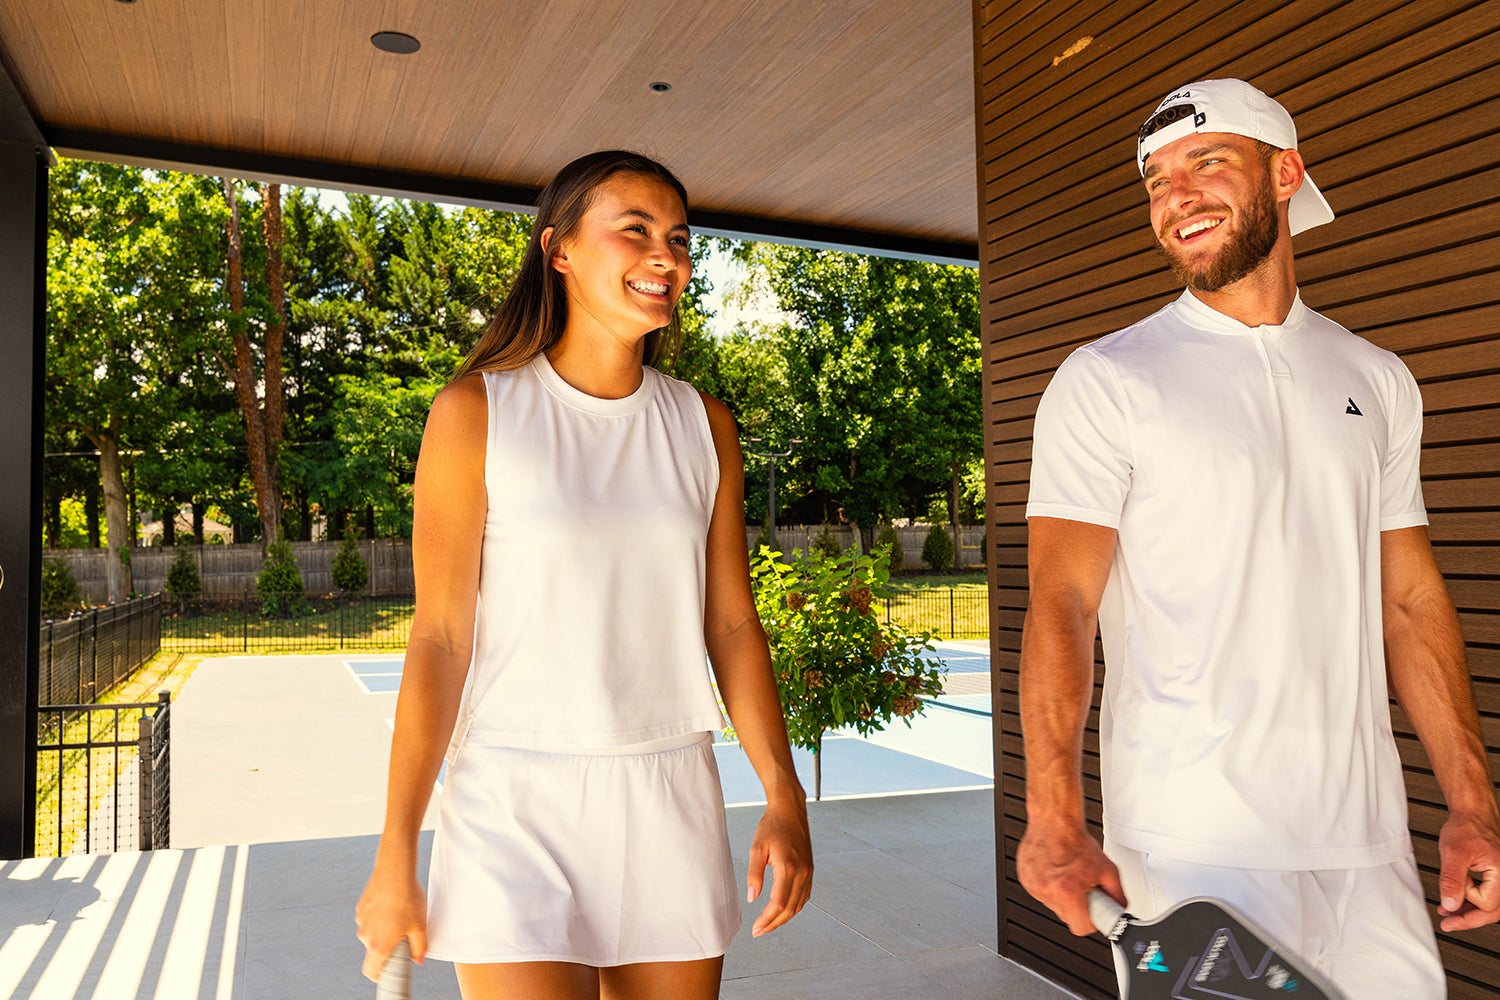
{"x":283,"y":759}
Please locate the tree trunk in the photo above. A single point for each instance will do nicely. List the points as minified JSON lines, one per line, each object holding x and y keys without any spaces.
{"x":116,"y":510}
{"x":262,"y":444}
{"x":275,"y":393}
{"x":168,"y":523}
{"x":91,"y":515}
{"x":198,"y":507}
{"x":958,"y":544}
{"x":52,"y":519}
{"x":818,"y":770}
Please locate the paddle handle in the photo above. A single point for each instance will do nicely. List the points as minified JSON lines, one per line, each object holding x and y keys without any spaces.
{"x":395,"y":975}
{"x":1108,"y":916}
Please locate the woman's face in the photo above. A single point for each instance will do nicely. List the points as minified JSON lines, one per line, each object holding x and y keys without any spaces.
{"x":628,"y":264}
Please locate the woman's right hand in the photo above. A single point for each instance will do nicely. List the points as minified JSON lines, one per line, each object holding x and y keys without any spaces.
{"x":393,"y":906}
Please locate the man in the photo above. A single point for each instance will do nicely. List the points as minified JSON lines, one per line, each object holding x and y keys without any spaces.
{"x":1229,"y":490}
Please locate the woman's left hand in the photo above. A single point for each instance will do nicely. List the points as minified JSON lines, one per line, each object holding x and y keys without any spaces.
{"x":783,"y":842}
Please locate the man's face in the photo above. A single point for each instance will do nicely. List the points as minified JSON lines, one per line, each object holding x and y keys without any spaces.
{"x":1212,"y":207}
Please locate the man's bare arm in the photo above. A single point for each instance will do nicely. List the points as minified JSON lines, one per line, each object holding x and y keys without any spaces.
{"x":1058,"y":861}
{"x":1425,"y":660}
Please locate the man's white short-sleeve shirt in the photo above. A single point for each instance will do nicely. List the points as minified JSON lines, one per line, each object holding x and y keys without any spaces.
{"x":1249,"y":472}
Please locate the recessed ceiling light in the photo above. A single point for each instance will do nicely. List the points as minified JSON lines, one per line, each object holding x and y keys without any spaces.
{"x":660,"y":88}
{"x":395,"y":41}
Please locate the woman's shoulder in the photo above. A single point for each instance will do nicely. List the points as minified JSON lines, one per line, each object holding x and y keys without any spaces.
{"x":461,"y":404}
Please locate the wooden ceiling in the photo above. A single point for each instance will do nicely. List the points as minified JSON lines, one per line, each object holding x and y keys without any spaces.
{"x":832,"y":121}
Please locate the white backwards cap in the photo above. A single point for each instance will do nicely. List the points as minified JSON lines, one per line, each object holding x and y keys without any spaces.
{"x":1236,"y":107}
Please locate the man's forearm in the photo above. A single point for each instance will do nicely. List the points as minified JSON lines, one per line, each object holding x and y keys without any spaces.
{"x":1428,"y":670}
{"x":1057,"y":683}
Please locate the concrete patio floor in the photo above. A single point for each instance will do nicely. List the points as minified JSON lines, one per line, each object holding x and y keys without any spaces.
{"x":903,"y":904}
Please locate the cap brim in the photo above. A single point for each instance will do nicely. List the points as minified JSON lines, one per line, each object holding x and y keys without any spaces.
{"x":1308,"y":208}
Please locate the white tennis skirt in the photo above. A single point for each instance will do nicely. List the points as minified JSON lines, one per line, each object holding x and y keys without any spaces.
{"x":602,"y":857}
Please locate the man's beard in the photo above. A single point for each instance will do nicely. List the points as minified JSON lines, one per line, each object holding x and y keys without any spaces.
{"x":1255,"y":235}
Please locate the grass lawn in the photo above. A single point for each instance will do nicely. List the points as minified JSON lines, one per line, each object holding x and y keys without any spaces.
{"x":967,"y":579}
{"x":321,"y":627}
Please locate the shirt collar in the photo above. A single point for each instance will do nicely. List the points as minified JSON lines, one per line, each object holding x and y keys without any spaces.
{"x":1195,"y":312}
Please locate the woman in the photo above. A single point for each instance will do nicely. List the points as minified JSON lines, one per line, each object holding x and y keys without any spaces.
{"x":590,"y":509}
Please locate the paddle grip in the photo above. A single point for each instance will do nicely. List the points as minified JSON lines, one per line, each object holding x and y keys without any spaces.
{"x":395,"y":975}
{"x":1107,"y":915}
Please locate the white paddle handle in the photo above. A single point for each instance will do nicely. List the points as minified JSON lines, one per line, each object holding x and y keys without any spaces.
{"x":1107,"y":915}
{"x":395,"y":975}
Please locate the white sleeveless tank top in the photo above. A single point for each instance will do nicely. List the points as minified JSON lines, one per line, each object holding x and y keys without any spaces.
{"x":589,"y":629}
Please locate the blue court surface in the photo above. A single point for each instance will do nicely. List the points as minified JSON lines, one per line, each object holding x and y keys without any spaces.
{"x":376,"y":676}
{"x":963,"y":656}
{"x":946,"y":748}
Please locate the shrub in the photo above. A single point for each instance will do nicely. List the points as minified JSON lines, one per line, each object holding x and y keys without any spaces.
{"x":937,"y":550}
{"x":279,"y":582}
{"x":350,"y":572}
{"x":826,"y":543}
{"x":836,"y":665}
{"x":762,"y":538}
{"x":182,"y":577}
{"x":891,"y":542}
{"x":60,"y":593}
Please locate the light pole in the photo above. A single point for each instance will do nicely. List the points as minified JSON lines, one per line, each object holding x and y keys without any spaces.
{"x":771,"y":497}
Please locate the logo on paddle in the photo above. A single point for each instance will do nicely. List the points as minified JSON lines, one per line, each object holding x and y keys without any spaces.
{"x":1151,"y":959}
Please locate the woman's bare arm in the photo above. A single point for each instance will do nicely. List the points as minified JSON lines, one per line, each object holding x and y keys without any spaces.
{"x":742,"y":665}
{"x":447,"y":533}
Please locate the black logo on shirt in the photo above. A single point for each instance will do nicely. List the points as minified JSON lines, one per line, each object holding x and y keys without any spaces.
{"x":1352,"y":408}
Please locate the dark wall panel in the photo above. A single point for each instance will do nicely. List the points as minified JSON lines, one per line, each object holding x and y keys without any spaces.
{"x":1398,"y":111}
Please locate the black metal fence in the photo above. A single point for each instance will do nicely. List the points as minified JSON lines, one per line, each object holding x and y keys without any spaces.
{"x":84,"y":656}
{"x":104,"y":778}
{"x":947,"y":612}
{"x":286,"y":623}
{"x":294,"y":623}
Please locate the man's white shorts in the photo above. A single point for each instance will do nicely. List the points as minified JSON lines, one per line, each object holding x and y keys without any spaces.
{"x":1366,"y":929}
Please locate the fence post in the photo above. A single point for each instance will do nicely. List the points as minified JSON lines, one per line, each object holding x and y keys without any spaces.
{"x":161,"y":774}
{"x":245,"y":623}
{"x":952,"y":623}
{"x":144,"y":803}
{"x":46,"y":689}
{"x":94,"y":654}
{"x":341,"y":626}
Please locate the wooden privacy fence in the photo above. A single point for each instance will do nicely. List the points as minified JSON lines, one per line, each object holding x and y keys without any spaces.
{"x":970,"y":551}
{"x":227,"y":571}
{"x":230,"y":570}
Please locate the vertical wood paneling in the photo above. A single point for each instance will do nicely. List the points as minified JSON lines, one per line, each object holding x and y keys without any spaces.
{"x":1398,"y":110}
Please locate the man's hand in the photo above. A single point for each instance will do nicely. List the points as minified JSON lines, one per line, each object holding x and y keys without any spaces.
{"x":1469,"y":844}
{"x":1059,"y":865}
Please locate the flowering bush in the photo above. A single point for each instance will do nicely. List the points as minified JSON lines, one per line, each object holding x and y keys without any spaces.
{"x":835,"y":663}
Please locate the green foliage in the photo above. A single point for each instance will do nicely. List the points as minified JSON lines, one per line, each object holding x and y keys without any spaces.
{"x":836,"y":665}
{"x":937,"y":550}
{"x":182,"y":577}
{"x":827,"y":544}
{"x":891,"y":543}
{"x":279,"y":582}
{"x":60,"y":593}
{"x":881,"y":376}
{"x":350,"y":573}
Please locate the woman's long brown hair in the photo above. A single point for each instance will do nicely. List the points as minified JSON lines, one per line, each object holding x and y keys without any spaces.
{"x":535,"y":311}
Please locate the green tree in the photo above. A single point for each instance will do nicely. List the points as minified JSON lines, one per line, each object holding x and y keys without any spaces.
{"x":882,"y":377}
{"x":133,"y":265}
{"x":836,"y":665}
{"x":350,"y":572}
{"x":937,"y":549}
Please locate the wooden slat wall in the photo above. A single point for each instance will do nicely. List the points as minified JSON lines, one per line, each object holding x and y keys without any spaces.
{"x":1398,"y":108}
